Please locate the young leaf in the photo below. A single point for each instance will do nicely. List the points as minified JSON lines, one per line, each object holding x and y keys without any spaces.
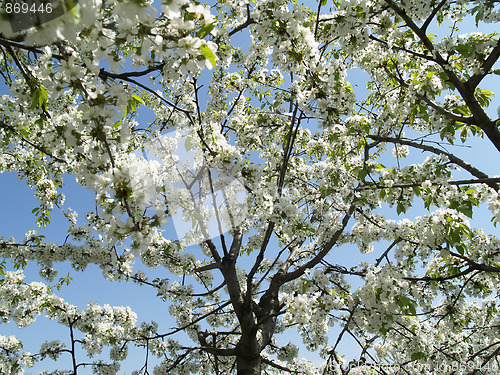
{"x":43,"y":96}
{"x":207,"y":52}
{"x":205,"y":30}
{"x":35,"y":99}
{"x":188,"y":144}
{"x":138,"y":98}
{"x":407,"y":305}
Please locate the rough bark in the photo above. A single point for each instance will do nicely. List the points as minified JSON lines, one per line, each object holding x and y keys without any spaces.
{"x":248,"y":360}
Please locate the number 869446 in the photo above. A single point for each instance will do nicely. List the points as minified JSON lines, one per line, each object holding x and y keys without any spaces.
{"x":21,"y":7}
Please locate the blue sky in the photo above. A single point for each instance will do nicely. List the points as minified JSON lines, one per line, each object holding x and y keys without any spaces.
{"x":17,"y":202}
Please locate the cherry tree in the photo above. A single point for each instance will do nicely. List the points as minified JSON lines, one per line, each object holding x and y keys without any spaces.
{"x":287,"y":167}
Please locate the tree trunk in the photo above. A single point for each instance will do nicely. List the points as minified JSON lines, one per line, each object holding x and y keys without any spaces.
{"x":248,"y":365}
{"x":248,"y":358}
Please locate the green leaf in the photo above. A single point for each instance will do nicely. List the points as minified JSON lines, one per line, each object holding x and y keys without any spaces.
{"x":75,"y":10}
{"x":207,"y":52}
{"x":462,"y":110}
{"x":418,"y":355}
{"x":466,"y":208}
{"x":205,"y":30}
{"x":44,"y":95}
{"x":479,"y":16}
{"x":39,"y":97}
{"x":35,"y":99}
{"x":440,"y":19}
{"x":362,"y":173}
{"x":484,"y":97}
{"x":464,"y":49}
{"x":198,"y":217}
{"x":407,"y":305}
{"x":188,"y":144}
{"x":138,"y":98}
{"x":465,"y":230}
{"x":412,"y":115}
{"x":452,"y":235}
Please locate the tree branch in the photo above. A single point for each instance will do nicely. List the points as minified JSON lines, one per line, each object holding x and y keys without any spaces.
{"x":314,"y":261}
{"x":204,"y":316}
{"x":420,"y":145}
{"x":485,"y":67}
{"x":466,"y":91}
{"x":433,"y":14}
{"x":279,"y":367}
{"x":38,"y":147}
{"x":249,"y":21}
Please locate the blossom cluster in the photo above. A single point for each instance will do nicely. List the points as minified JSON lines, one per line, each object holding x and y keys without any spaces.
{"x":269,"y":166}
